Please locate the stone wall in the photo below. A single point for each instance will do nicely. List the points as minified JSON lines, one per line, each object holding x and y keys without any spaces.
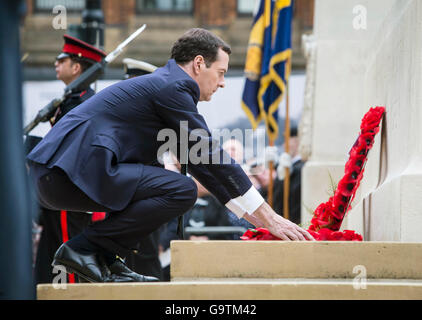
{"x":355,"y":69}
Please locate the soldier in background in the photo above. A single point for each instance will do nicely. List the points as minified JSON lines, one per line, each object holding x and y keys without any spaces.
{"x":134,"y":68}
{"x":59,"y":226}
{"x":145,"y":259}
{"x":294,"y":162}
{"x":76,"y":57}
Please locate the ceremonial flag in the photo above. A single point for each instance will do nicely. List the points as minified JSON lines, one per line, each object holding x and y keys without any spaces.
{"x":268,"y":63}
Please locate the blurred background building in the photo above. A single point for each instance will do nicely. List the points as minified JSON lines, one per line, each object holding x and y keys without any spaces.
{"x":166,"y":20}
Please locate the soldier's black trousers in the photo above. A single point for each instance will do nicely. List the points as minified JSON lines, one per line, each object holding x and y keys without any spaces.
{"x":161,"y":195}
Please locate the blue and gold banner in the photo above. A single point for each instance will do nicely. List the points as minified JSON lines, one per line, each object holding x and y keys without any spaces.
{"x":268,"y":63}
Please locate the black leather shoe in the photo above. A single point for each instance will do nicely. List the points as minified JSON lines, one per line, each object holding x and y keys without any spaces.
{"x":121,"y":273}
{"x":89,"y":267}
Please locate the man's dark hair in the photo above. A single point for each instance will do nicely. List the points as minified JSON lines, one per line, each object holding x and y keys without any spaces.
{"x":196,"y":42}
{"x":85,"y":64}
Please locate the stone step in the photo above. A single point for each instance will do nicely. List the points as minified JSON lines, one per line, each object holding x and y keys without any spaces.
{"x":239,"y":289}
{"x":309,"y":260}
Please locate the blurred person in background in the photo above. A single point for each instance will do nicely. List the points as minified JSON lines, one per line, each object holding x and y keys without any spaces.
{"x":294,"y":162}
{"x":259,"y":174}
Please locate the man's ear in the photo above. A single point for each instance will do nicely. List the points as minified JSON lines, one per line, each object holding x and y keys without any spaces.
{"x":76,"y":68}
{"x":198,"y":61}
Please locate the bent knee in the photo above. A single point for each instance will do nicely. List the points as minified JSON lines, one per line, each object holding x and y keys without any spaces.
{"x":188,"y":191}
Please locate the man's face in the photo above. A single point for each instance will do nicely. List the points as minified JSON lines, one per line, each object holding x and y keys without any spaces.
{"x":293,"y":146}
{"x":65,"y":70}
{"x":212,"y":78}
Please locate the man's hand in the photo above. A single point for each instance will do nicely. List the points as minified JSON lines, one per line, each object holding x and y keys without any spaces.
{"x":280,"y":227}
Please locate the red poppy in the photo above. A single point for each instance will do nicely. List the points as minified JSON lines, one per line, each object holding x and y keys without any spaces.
{"x":346,"y":185}
{"x":355,"y":163}
{"x":366,"y":139}
{"x":318,"y":223}
{"x":250,"y":234}
{"x":372,"y":119}
{"x":312,"y":228}
{"x":336,"y":224}
{"x":323,"y":215}
{"x":359,"y":151}
{"x":324,"y":234}
{"x":350,"y":235}
{"x":339,"y":210}
{"x":323,"y":210}
{"x":258,"y":234}
{"x":330,"y":235}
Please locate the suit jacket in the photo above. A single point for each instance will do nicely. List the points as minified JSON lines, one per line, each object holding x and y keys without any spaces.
{"x":104,"y":143}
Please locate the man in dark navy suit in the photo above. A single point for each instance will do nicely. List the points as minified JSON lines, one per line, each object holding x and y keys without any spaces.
{"x":105,"y":154}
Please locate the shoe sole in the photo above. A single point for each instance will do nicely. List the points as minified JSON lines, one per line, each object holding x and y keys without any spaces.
{"x":70,"y":270}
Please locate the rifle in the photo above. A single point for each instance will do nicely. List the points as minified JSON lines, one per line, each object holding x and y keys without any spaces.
{"x":181,"y":221}
{"x":82,"y":82}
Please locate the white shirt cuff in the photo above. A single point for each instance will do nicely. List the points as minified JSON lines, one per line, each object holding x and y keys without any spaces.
{"x":249,"y":202}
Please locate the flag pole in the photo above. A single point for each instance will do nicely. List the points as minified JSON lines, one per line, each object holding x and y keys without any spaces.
{"x":271,"y":182}
{"x":286,"y":187}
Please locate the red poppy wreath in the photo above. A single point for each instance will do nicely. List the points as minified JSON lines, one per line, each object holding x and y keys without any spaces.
{"x":328,"y":216}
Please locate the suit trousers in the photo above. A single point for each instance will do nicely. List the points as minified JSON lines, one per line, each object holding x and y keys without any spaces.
{"x":161,"y":195}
